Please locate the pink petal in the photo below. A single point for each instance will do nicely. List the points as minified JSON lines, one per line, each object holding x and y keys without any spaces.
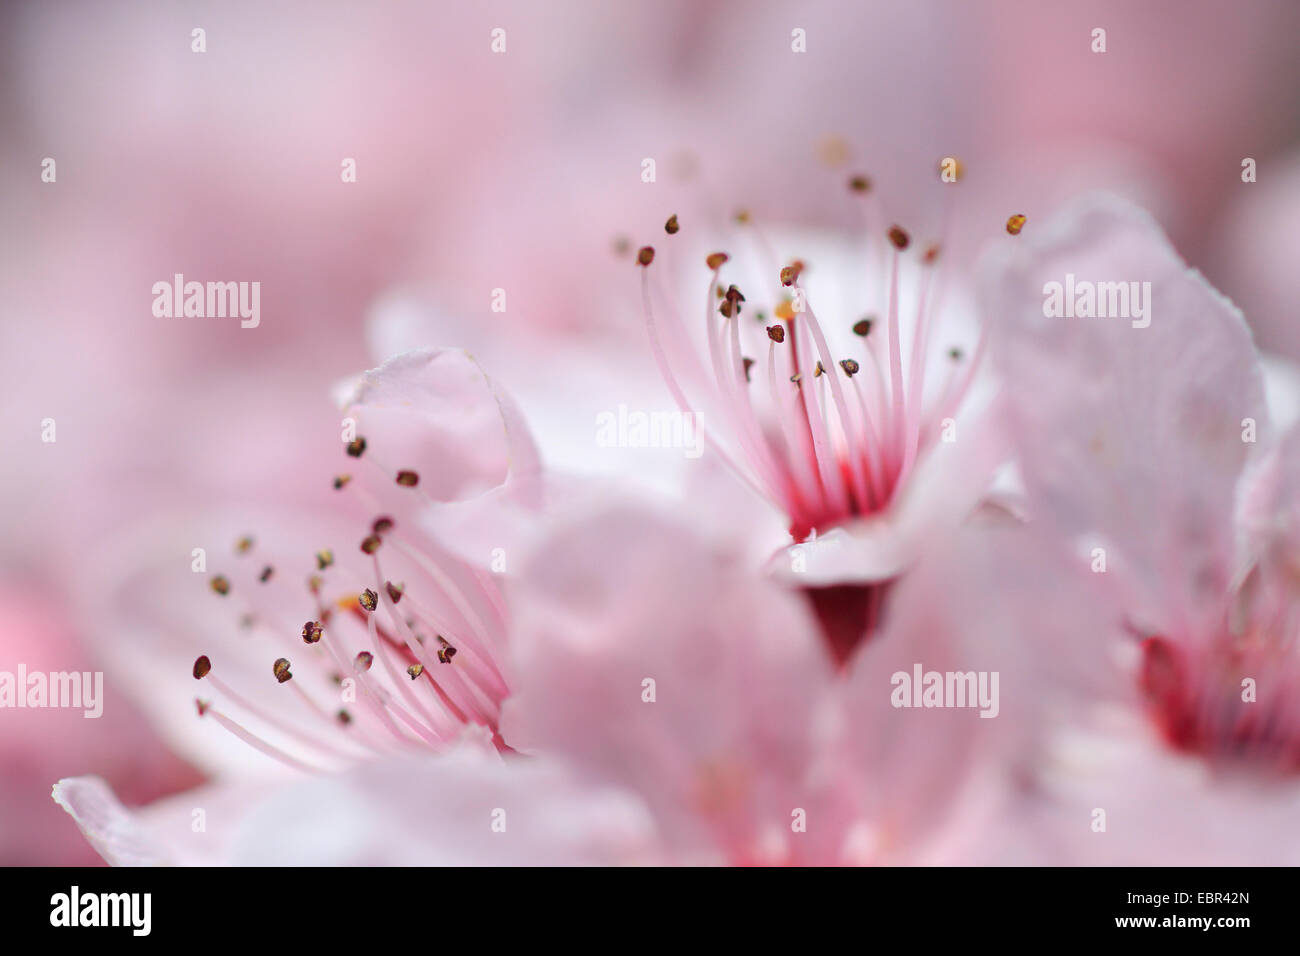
{"x":1129,"y":436}
{"x":440,"y":811}
{"x":436,"y":412}
{"x":722,"y":754}
{"x":994,"y":600}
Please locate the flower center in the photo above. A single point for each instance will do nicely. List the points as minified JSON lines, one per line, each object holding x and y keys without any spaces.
{"x":432,"y":637}
{"x":818,"y":442}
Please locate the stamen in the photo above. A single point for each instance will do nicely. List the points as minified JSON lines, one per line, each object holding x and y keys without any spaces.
{"x":665,"y":370}
{"x":802,"y":477}
{"x":281,"y":669}
{"x":470,"y":693}
{"x":408,"y":479}
{"x":851,"y":445}
{"x":324,"y":559}
{"x":220,"y":584}
{"x":356,"y":447}
{"x":202,"y":667}
{"x":382,"y":525}
{"x":671,"y":226}
{"x":370,"y":544}
{"x":900,"y":240}
{"x":368,"y":599}
{"x":256,"y":742}
{"x":311,"y":633}
{"x":1015,"y":224}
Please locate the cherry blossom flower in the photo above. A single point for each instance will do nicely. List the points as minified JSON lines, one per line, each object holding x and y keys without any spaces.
{"x":850,"y":430}
{"x":668,"y":706}
{"x":1148,"y":453}
{"x":327,"y":635}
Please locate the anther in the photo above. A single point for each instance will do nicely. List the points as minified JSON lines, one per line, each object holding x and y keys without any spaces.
{"x":860,"y":184}
{"x":415,"y":670}
{"x":363,"y":660}
{"x":312,"y":631}
{"x":266,"y":574}
{"x":370,"y":544}
{"x":368,"y":599}
{"x":356,"y":447}
{"x":394,"y":591}
{"x":931,"y":255}
{"x":819,"y":370}
{"x":201,"y":667}
{"x":324,"y":559}
{"x":314,"y":583}
{"x":344,"y":717}
{"x":408,"y":479}
{"x":281,"y":669}
{"x":202,"y":705}
{"x":671,"y":226}
{"x":382,"y":525}
{"x":749,"y":363}
{"x":955,"y":354}
{"x":1015,"y":224}
{"x":731,"y":302}
{"x":244,"y":545}
{"x":899,"y":237}
{"x":340,"y":481}
{"x":445,"y":654}
{"x":645,"y":255}
{"x":220,"y":584}
{"x":850,"y":366}
{"x":716,"y":260}
{"x":776,"y":333}
{"x":863,"y":327}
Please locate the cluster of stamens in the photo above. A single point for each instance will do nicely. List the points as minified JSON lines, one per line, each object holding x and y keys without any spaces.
{"x":822,"y":458}
{"x":438,"y":669}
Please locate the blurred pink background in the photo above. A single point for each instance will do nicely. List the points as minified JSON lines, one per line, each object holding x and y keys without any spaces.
{"x":517,"y":170}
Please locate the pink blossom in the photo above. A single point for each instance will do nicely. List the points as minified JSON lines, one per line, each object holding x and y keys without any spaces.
{"x":636,"y":695}
{"x":668,"y":706}
{"x":851,"y":429}
{"x":1148,"y":451}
